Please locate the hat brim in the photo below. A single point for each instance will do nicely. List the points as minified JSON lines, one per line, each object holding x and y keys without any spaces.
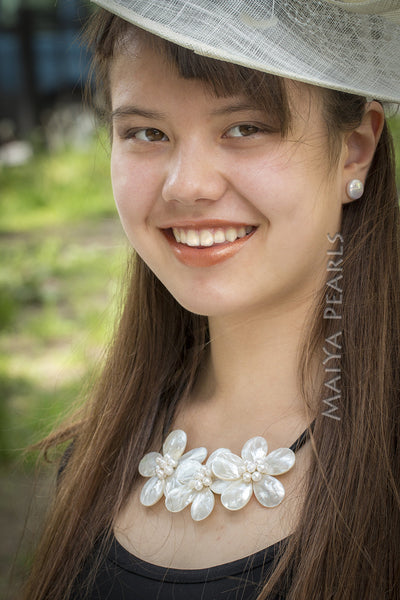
{"x":315,"y":42}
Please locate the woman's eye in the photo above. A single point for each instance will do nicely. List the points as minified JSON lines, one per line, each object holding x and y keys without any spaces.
{"x":149,"y":135}
{"x":242,"y":130}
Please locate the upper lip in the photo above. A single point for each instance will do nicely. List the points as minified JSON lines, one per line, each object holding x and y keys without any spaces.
{"x":205,"y":224}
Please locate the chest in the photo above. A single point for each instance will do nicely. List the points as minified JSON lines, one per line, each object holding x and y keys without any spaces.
{"x":174,"y":540}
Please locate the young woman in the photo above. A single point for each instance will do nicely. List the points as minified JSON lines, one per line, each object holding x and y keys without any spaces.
{"x":244,"y":439}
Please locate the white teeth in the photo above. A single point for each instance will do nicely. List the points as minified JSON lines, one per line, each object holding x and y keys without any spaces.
{"x":206,"y":238}
{"x":231,"y":234}
{"x":219,"y":236}
{"x":192,"y":238}
{"x":209,"y":237}
{"x":177,"y":234}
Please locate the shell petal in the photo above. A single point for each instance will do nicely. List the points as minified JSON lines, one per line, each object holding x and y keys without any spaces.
{"x":269,"y":491}
{"x":236,"y":495}
{"x":147,"y":466}
{"x":255,"y":449}
{"x":279,"y":461}
{"x":219,"y":485}
{"x":198,"y":454}
{"x":226,"y":466}
{"x":175,"y":444}
{"x":212,"y":456}
{"x":171,"y":483}
{"x":152,"y":491}
{"x":202,"y":505}
{"x":178,"y":498}
{"x":186,"y":470}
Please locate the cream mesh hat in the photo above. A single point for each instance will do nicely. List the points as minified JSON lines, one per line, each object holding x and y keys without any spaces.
{"x":352,"y":46}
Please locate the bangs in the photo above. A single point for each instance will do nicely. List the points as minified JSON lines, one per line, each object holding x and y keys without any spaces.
{"x":227,"y":79}
{"x":108,"y":35}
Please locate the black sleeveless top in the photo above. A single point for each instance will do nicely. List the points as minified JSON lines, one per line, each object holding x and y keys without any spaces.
{"x":122,"y":576}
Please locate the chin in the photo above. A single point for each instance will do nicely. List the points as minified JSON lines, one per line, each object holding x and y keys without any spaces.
{"x":197,"y":307}
{"x":206,"y":306}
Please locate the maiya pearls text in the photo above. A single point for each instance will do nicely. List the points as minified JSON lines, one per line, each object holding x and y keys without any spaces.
{"x":333,"y":344}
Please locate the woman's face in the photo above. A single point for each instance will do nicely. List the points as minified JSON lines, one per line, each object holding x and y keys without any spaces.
{"x":227,"y":214}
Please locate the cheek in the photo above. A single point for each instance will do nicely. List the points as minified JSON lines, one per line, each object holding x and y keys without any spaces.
{"x":133,"y":189}
{"x":274,"y":187}
{"x":292,"y":189}
{"x":299,"y":203}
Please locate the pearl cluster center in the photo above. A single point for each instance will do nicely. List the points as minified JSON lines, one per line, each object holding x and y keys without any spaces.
{"x":252,"y":471}
{"x":166,"y":465}
{"x":202,"y":479}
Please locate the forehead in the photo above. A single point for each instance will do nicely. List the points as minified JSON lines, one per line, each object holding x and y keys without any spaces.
{"x":142,"y":68}
{"x":147,"y":77}
{"x":137,"y":68}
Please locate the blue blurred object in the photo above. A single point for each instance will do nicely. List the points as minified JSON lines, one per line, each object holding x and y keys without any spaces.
{"x":59,"y":60}
{"x":11,"y":75}
{"x":41,"y":58}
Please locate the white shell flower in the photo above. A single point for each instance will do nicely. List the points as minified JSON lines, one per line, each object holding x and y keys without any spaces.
{"x":161,"y":467}
{"x":237,"y":477}
{"x":191,"y":484}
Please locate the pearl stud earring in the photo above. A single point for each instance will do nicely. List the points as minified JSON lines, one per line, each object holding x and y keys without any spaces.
{"x":355,"y":189}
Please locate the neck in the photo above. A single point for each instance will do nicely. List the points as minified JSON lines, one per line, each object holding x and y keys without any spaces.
{"x":250,"y":380}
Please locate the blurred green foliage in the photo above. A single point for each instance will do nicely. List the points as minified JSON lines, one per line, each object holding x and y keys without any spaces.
{"x":56,"y":189}
{"x":61,"y":249}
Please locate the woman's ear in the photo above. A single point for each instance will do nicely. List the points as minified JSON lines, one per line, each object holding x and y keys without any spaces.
{"x":360,"y":146}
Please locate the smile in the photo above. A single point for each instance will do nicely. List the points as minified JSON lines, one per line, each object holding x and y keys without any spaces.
{"x":209,"y":237}
{"x":209,"y":244}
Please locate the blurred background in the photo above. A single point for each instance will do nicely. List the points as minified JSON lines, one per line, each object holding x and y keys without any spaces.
{"x":61,"y":251}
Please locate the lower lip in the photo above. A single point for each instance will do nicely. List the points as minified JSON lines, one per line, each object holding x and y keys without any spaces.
{"x":205,"y":256}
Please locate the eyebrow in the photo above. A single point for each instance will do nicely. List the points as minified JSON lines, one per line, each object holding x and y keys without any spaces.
{"x":125,"y":111}
{"x":236,"y":107}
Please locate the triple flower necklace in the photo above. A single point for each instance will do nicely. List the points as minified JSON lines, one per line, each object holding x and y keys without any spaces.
{"x":184,"y":479}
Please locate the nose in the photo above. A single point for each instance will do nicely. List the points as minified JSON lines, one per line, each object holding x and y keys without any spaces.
{"x":193,"y":175}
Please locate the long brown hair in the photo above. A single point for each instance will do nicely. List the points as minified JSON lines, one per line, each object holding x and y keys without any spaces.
{"x":346,"y":543}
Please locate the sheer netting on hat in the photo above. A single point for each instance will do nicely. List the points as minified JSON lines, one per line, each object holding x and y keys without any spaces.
{"x":350,"y":46}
